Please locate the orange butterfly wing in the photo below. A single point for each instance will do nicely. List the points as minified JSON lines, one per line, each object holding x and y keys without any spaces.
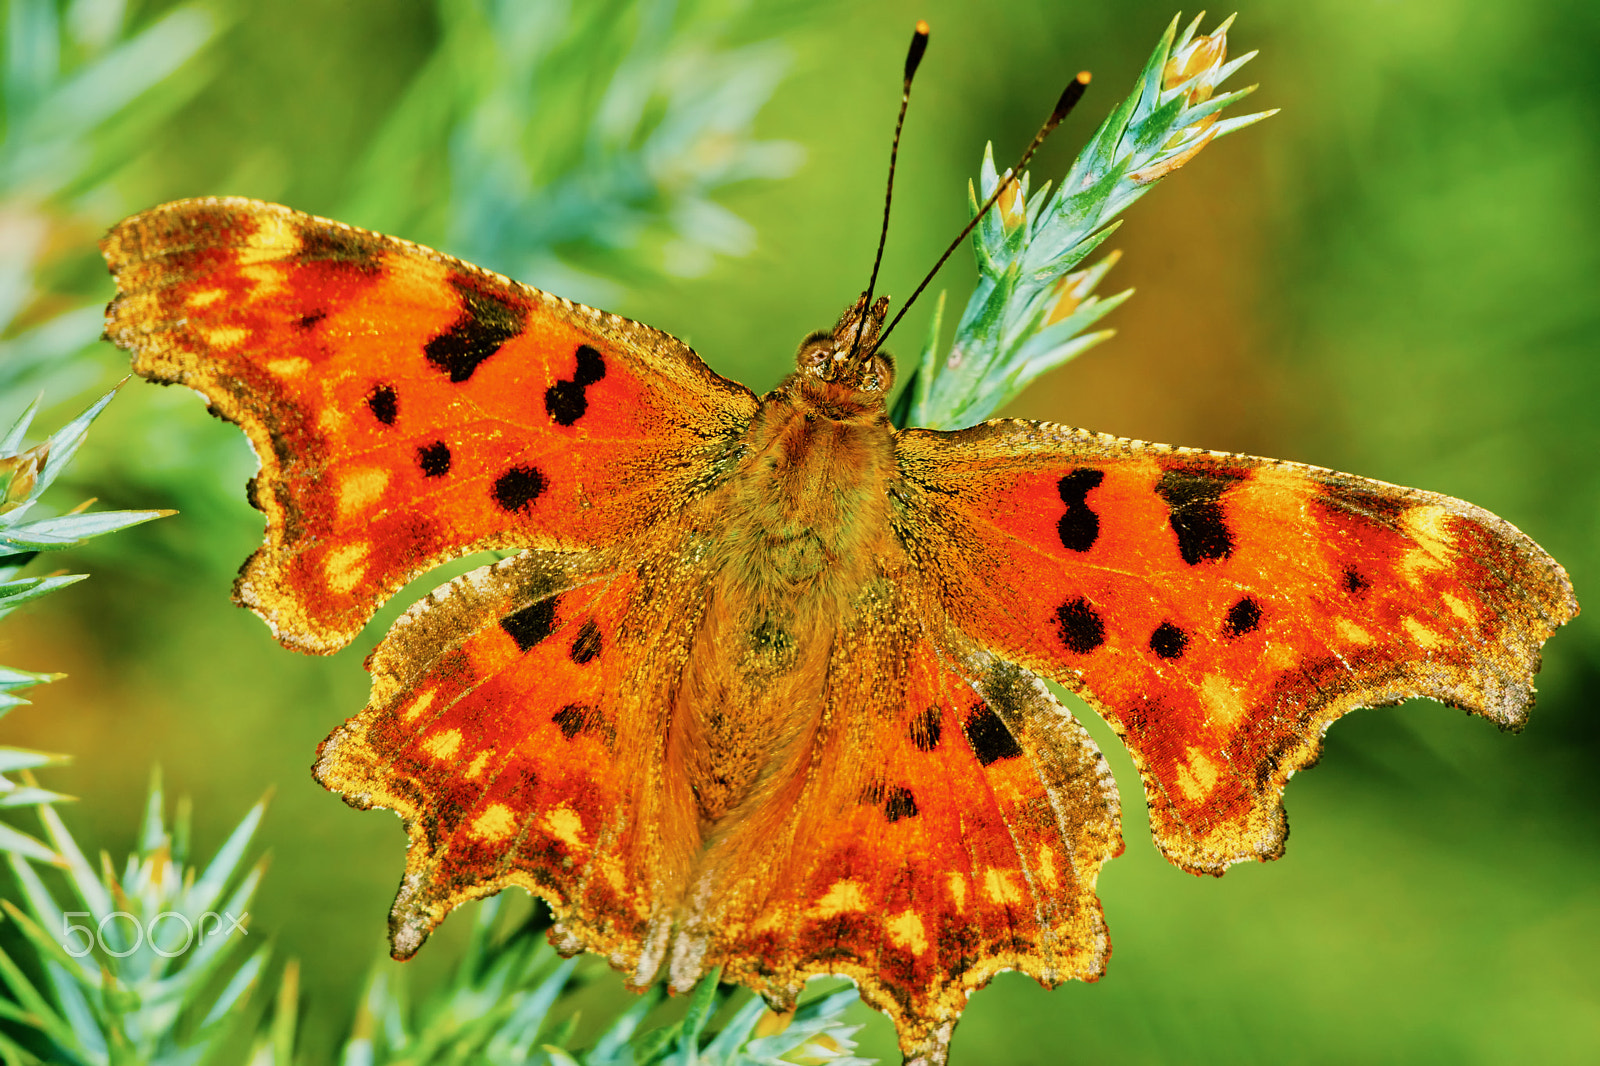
{"x":516,"y":724}
{"x":946,"y":821}
{"x":407,"y":408}
{"x":1220,"y":611}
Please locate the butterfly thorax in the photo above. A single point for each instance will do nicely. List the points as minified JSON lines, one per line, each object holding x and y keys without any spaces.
{"x":801,"y":516}
{"x":802,"y":529}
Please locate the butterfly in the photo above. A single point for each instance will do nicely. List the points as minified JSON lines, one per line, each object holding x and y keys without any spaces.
{"x":762,"y":687}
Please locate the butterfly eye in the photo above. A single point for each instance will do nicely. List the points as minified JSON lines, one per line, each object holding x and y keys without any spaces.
{"x":815,"y":353}
{"x":879,"y":376}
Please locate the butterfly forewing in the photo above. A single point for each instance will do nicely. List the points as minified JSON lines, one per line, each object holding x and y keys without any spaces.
{"x":1222,"y":610}
{"x":407,"y":408}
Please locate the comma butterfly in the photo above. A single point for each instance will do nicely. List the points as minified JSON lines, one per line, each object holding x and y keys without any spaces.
{"x":762,"y":687}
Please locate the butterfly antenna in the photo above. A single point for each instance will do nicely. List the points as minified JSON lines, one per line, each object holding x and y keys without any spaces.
{"x":1069,"y":98}
{"x":919,"y":45}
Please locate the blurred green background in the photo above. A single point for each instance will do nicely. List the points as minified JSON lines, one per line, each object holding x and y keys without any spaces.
{"x":1399,"y":275}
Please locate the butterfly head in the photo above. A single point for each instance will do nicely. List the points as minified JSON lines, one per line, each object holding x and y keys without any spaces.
{"x":843,"y":360}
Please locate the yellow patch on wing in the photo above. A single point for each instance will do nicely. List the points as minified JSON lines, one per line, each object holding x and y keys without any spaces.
{"x":360,"y":488}
{"x":958,"y":891}
{"x":1425,"y":523}
{"x":906,"y":931}
{"x":204,"y":298}
{"x":1420,"y":633}
{"x":475,"y":767}
{"x":565,"y":825}
{"x":768,"y":920}
{"x":1417,"y":562}
{"x":611,"y":869}
{"x":1045,"y":865}
{"x":1198,"y":777}
{"x":276,"y":238}
{"x":1458,"y":607}
{"x":290,"y":367}
{"x":223,"y":337}
{"x":268,"y":278}
{"x":443,"y":745}
{"x":423,"y":701}
{"x":332,"y":419}
{"x":495,"y":823}
{"x":346,"y":566}
{"x":998,"y":886}
{"x":1223,"y":704}
{"x":843,"y":896}
{"x":1350,"y":632}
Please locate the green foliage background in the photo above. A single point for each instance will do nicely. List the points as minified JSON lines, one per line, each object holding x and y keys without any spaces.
{"x":1397,"y":276}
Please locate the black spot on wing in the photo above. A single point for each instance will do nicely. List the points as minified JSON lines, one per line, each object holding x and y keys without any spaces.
{"x":587,"y":644}
{"x":322,"y":242}
{"x":532,"y":624}
{"x":1379,"y":505}
{"x":591,"y":366}
{"x":518,"y":487}
{"x":310,"y":321}
{"x":1194,"y":505}
{"x":1354,"y":583}
{"x":927,"y":729}
{"x":485,"y":324}
{"x":566,"y":401}
{"x":434,"y":459}
{"x":990,"y":739}
{"x":1080,"y":626}
{"x":1079,"y":528}
{"x":899,"y":803}
{"x":1243,"y":617}
{"x":1168,"y":641}
{"x":577,"y":718}
{"x":384,"y":403}
{"x":572,"y":719}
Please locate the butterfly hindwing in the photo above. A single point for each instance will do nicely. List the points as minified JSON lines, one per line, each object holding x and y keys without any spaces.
{"x":407,"y":408}
{"x":947,"y":820}
{"x":1221,"y":610}
{"x":515,"y":726}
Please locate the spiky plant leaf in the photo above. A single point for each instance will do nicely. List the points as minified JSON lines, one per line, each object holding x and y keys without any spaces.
{"x":506,"y":1005}
{"x":152,"y":966}
{"x":1032,"y":306}
{"x":82,"y":86}
{"x":25,"y":474}
{"x":568,"y":145}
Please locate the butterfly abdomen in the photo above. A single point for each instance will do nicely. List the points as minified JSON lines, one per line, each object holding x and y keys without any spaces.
{"x":802,"y":532}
